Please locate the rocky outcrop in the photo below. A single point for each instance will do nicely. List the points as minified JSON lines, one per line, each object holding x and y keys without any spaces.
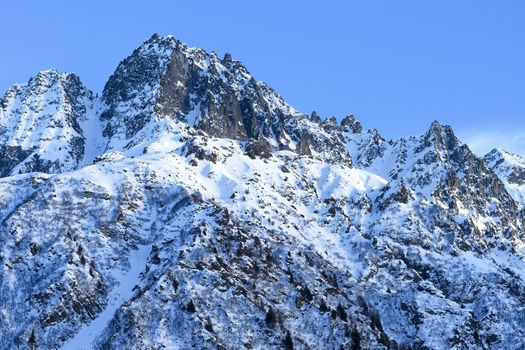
{"x":259,"y":148}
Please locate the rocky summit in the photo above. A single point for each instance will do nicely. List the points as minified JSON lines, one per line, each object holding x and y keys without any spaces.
{"x":190,"y":207}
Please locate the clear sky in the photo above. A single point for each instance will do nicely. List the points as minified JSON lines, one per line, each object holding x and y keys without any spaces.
{"x":397,"y":65}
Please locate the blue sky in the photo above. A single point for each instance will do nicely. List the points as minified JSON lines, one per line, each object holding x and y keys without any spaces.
{"x":397,"y":65}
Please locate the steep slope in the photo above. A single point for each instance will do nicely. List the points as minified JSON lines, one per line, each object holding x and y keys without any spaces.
{"x":253,"y":248}
{"x":438,"y":168}
{"x":164,"y":81}
{"x":212,"y":246}
{"x":446,"y":224}
{"x":192,"y":208}
{"x":41,"y":124}
{"x":511,"y":170}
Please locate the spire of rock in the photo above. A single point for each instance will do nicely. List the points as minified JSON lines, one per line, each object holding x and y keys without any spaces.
{"x":351,"y":124}
{"x":315,"y":117}
{"x":442,"y":137}
{"x":227,"y":58}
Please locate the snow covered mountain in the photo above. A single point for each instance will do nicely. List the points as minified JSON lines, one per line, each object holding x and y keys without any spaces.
{"x":42,"y":124}
{"x":191,"y":207}
{"x":511,"y":170}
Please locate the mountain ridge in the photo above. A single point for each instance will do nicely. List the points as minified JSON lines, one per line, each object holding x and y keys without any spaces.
{"x":191,"y":207}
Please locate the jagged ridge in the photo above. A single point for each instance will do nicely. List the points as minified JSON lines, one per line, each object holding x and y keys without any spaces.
{"x":214,"y":215}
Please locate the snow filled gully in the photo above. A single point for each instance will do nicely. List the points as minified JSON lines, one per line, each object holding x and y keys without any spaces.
{"x":123,"y":291}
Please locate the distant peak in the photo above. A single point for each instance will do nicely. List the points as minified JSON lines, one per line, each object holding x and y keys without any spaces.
{"x":155,"y":36}
{"x":441,"y":136}
{"x":500,"y":153}
{"x":227,"y":57}
{"x":436,"y":128}
{"x":496,"y":152}
{"x":505,"y":152}
{"x":157,"y":40}
{"x":53,"y":76}
{"x":350,"y":123}
{"x":496,"y":155}
{"x":46,"y":80}
{"x":158,"y":37}
{"x":53,"y":71}
{"x":46,"y":77}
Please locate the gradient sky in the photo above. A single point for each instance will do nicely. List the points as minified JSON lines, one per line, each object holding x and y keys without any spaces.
{"x":397,"y":65}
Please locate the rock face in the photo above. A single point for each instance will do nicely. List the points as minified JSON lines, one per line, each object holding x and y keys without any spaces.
{"x":190,"y":207}
{"x":164,"y":81}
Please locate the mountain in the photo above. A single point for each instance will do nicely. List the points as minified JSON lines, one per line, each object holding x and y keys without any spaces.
{"x":190,"y":207}
{"x":42,"y":124}
{"x":511,"y":169}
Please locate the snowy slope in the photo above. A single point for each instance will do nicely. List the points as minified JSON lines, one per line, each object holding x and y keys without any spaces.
{"x":190,"y":207}
{"x":41,"y":124}
{"x":511,"y":170}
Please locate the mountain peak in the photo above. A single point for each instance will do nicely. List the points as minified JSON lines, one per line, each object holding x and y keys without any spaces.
{"x":49,"y":72}
{"x":180,"y":84}
{"x":499,"y":154}
{"x":156,"y":38}
{"x":437,"y":128}
{"x":350,"y":123}
{"x":510,"y":168}
{"x":40,"y":123}
{"x":49,"y":75}
{"x":442,"y":137}
{"x":227,"y":57}
{"x":50,"y":79}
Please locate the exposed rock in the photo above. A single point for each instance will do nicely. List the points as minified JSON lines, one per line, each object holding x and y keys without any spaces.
{"x":259,"y":148}
{"x":350,"y":124}
{"x":315,"y":117}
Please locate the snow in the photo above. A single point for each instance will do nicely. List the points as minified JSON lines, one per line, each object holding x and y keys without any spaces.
{"x":38,"y":118}
{"x":505,"y":164}
{"x":193,"y":116}
{"x":477,"y":262}
{"x":125,"y":283}
{"x":93,"y":134}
